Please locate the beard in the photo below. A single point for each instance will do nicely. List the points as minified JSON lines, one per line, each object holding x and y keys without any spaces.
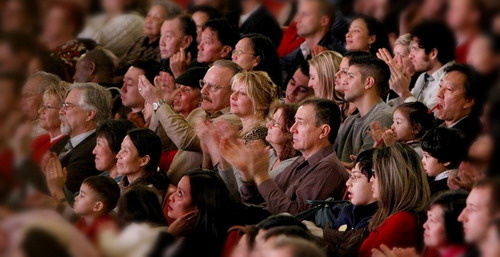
{"x":65,"y":127}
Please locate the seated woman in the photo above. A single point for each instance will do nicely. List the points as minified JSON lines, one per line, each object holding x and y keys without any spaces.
{"x":110,"y":135}
{"x":400,"y":186}
{"x":138,"y":160}
{"x":147,"y":48}
{"x":366,"y":34}
{"x":257,"y":52}
{"x":202,"y":208}
{"x":297,"y":88}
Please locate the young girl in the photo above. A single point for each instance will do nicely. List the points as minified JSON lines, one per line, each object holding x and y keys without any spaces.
{"x":410,"y":122}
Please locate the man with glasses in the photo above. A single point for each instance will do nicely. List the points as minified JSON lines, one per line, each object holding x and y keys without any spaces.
{"x":215,"y":93}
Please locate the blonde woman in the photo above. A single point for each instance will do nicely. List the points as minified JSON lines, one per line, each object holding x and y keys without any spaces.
{"x":400,"y":186}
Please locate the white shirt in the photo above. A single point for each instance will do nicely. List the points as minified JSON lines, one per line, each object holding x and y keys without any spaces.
{"x":428,"y":94}
{"x":78,"y":139}
{"x":444,"y":175}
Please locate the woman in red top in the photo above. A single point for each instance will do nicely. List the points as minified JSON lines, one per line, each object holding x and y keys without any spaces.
{"x":400,"y":186}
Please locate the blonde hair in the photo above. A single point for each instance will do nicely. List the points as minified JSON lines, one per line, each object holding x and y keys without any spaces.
{"x":404,"y":40}
{"x":327,"y":63}
{"x":59,"y":91}
{"x":260,"y":88}
{"x":402,"y":182}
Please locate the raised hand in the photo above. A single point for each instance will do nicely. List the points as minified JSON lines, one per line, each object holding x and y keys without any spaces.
{"x":389,"y":137}
{"x":183,"y":225}
{"x":399,"y":81}
{"x":179,"y":62}
{"x":55,"y":175}
{"x":376,"y":131}
{"x":149,"y":92}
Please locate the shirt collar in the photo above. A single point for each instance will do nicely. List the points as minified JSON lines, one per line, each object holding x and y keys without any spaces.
{"x":78,"y":139}
{"x":439,"y":72}
{"x":443,"y":175}
{"x":320,"y":155}
{"x":456,"y":122}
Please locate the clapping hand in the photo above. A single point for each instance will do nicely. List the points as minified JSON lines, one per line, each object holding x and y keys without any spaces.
{"x":179,"y":62}
{"x":399,"y":81}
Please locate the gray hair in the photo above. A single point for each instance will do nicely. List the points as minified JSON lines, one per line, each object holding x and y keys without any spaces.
{"x":234,"y":67}
{"x":45,"y":80}
{"x":298,"y":247}
{"x":96,"y":98}
{"x":173,"y":9}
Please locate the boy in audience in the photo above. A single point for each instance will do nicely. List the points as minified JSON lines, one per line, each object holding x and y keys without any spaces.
{"x":443,"y":150}
{"x":97,"y":198}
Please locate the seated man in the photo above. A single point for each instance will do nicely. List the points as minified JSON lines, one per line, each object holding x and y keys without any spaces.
{"x":96,"y":66}
{"x":316,"y":175}
{"x":218,"y":39}
{"x":367,"y":79}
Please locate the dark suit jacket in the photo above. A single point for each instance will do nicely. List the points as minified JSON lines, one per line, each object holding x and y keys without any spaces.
{"x":80,"y":162}
{"x":262,"y":22}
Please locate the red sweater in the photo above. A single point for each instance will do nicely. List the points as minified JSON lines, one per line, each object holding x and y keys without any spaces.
{"x":91,"y":230}
{"x":41,"y":145}
{"x":399,"y":230}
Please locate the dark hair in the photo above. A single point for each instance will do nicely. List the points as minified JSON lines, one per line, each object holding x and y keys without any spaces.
{"x":353,"y":54}
{"x":304,"y":68}
{"x":446,"y":145}
{"x":114,"y":131}
{"x":147,"y":143}
{"x":492,"y":182}
{"x":377,"y":29}
{"x":372,"y":66}
{"x":140,"y":204}
{"x":435,"y":34}
{"x":150,"y":68}
{"x":419,"y":117}
{"x":365,"y":161}
{"x":211,"y":197}
{"x":102,"y":61}
{"x":452,"y":203}
{"x":226,"y":33}
{"x":188,"y":27}
{"x":39,"y":242}
{"x":106,"y":190}
{"x":471,"y":88}
{"x":280,"y":220}
{"x":327,"y":112}
{"x":52,"y":64}
{"x":211,"y":12}
{"x":288,"y":113}
{"x":269,"y":60}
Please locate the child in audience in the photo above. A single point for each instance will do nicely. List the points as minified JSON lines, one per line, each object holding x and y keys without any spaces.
{"x":443,"y":150}
{"x":97,"y":198}
{"x":411,"y":121}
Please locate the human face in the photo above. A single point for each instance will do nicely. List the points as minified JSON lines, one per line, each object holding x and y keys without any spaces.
{"x":359,"y":188}
{"x":434,"y":227}
{"x":82,"y":72}
{"x":419,"y":58}
{"x":244,"y":54}
{"x":187,"y":99}
{"x":74,"y":119}
{"x":181,"y":201}
{"x":49,"y":114}
{"x":297,"y":88}
{"x":306,"y":135}
{"x":453,"y":105}
{"x":153,"y":21}
{"x":402,"y":57}
{"x":85,"y":201}
{"x":55,"y":24}
{"x":401,"y":125}
{"x":130,"y":91}
{"x":458,"y":14}
{"x":358,"y":38}
{"x":431,"y":165}
{"x":129,"y":162}
{"x":314,"y":81}
{"x":275,"y":126}
{"x":354,"y":87}
{"x":341,"y":75}
{"x":199,"y":18}
{"x":210,"y":48}
{"x":375,"y":187}
{"x":105,"y":159}
{"x":476,"y":214}
{"x":172,"y":38}
{"x":490,"y":246}
{"x":308,"y":18}
{"x":31,"y":99}
{"x":241,"y":104}
{"x":217,"y":99}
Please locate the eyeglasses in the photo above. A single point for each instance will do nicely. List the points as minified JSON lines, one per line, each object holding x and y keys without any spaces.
{"x":49,"y":107}
{"x":239,"y":52}
{"x":211,"y":87}
{"x":69,"y":105}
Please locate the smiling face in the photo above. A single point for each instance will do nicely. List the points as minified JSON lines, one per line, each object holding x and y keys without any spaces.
{"x":49,"y":113}
{"x":453,"y":105}
{"x":129,"y":163}
{"x":153,"y":21}
{"x":297,"y":88}
{"x":241,"y":104}
{"x":105,"y":159}
{"x":476,"y":214}
{"x":434,"y":227}
{"x":359,"y":188}
{"x":358,"y":38}
{"x":181,"y":201}
{"x":401,"y":125}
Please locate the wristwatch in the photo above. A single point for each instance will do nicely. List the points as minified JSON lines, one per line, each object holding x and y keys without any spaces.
{"x":157,"y":104}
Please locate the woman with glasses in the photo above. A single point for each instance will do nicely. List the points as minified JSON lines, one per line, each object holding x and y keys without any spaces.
{"x":257,"y":52}
{"x":400,"y":186}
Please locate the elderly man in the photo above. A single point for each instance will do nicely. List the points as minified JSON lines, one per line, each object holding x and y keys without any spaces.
{"x":32,"y":96}
{"x":86,"y":105}
{"x":216,"y":90}
{"x":95,"y":66}
{"x":456,"y":100}
{"x":316,"y":175}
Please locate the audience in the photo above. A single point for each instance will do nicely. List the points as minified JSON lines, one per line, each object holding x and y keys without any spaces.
{"x":201,"y":14}
{"x":298,"y":88}
{"x":322,"y":70}
{"x":218,"y":39}
{"x":95,"y":66}
{"x":366,"y":34}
